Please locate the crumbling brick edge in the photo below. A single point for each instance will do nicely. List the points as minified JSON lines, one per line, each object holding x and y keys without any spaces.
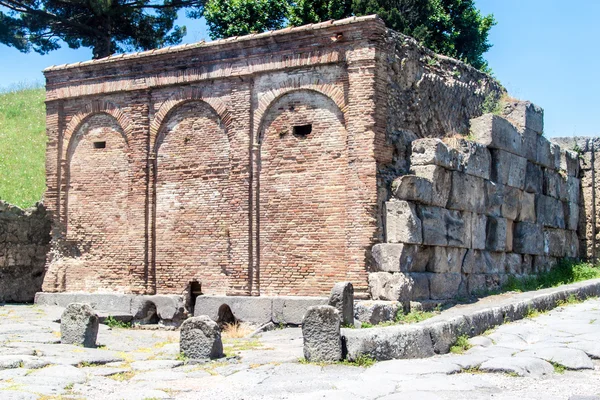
{"x":438,"y":334}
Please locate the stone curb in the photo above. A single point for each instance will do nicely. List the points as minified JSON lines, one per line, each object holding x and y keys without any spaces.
{"x":438,"y":334}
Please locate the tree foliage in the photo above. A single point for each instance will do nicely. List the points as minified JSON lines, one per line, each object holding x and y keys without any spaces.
{"x":107,"y":26}
{"x":451,"y":27}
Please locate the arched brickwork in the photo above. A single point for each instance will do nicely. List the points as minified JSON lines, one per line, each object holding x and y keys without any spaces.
{"x":266,"y":100}
{"x":302,"y":203}
{"x":96,"y":197}
{"x":178,"y":99}
{"x":195,"y":222}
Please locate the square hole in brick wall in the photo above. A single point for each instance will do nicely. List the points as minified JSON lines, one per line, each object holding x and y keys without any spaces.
{"x":302,"y":130}
{"x":99,"y":145}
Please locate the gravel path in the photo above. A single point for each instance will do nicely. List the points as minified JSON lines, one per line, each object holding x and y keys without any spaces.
{"x":551,"y":356}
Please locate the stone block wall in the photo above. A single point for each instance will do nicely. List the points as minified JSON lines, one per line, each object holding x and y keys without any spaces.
{"x":588,"y":150}
{"x":472,"y":212}
{"x":24,"y":241}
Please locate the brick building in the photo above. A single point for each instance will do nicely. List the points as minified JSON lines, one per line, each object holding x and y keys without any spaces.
{"x":256,"y":165}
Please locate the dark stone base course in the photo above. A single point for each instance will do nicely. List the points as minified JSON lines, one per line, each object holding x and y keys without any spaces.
{"x":438,"y":334}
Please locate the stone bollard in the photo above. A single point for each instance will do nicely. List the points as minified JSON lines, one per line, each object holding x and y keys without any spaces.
{"x":342,"y":298}
{"x":321,"y":334}
{"x":200,"y":338}
{"x":79,"y":325}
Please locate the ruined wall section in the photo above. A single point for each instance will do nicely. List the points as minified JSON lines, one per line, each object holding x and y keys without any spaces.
{"x":588,"y":149}
{"x":24,"y":241}
{"x":473,"y":212}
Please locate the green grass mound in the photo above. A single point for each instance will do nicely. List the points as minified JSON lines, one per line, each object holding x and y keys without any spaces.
{"x":23,"y":139}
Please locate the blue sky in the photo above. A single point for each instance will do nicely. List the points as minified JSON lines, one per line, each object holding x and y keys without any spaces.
{"x":545,"y":51}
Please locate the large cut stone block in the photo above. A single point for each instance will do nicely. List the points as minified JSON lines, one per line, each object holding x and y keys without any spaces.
{"x":200,"y":338}
{"x":392,"y":257}
{"x":446,"y":259}
{"x":508,"y":169}
{"x":433,"y":220}
{"x":525,"y":114}
{"x":544,"y":263}
{"x":483,"y":262}
{"x":391,"y":287}
{"x":513,"y":263}
{"x":413,"y":188}
{"x":544,"y":153}
{"x":475,"y":158}
{"x":321,"y":334}
{"x":433,"y":152}
{"x":493,"y":198}
{"x":534,"y":178}
{"x":467,"y":193}
{"x":551,"y":186}
{"x":458,"y":228}
{"x":528,"y":238}
{"x":497,"y":133}
{"x":554,"y":242}
{"x":441,"y":179}
{"x":573,"y":190}
{"x":527,"y":266}
{"x":529,"y":146}
{"x":571,"y":244}
{"x":444,"y":286}
{"x":569,"y":162}
{"x":512,"y":202}
{"x":79,"y":325}
{"x":555,"y":153}
{"x":478,"y":229}
{"x":402,"y":225}
{"x":498,"y":234}
{"x":571,"y":215}
{"x":376,"y":312}
{"x":420,"y":286}
{"x":291,"y":309}
{"x":342,"y":299}
{"x":527,"y":208}
{"x":550,"y":212}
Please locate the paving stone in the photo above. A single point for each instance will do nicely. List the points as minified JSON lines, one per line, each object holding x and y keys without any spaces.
{"x":569,"y":358}
{"x":321,"y":334}
{"x":149,"y":365}
{"x":402,"y":225}
{"x":522,"y":366}
{"x":414,"y":367}
{"x":342,"y":299}
{"x":482,"y":341}
{"x":79,"y":325}
{"x":592,"y":349}
{"x":468,"y":361}
{"x":200,"y":338}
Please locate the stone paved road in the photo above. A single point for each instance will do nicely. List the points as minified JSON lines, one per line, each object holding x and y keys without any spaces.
{"x":552,"y":356}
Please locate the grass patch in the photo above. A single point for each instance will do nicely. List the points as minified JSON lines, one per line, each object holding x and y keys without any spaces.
{"x":236,"y":331}
{"x":472,"y":370}
{"x":122,"y":376}
{"x":558,"y":368}
{"x":362,"y":360}
{"x":23,"y":149}
{"x":565,"y":272}
{"x":114,"y":323}
{"x":412,"y":317}
{"x":182,"y":357}
{"x":532,"y":313}
{"x":236,"y":345}
{"x":572,"y":299}
{"x":461,"y":345}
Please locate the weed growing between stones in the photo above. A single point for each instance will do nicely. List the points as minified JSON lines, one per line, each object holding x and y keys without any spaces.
{"x":362,"y":360}
{"x":564,"y":273}
{"x":113,"y":323}
{"x":472,"y":370}
{"x":461,"y":345}
{"x":558,"y":368}
{"x":512,"y":374}
{"x":122,"y":376}
{"x":572,"y":299}
{"x":412,"y":317}
{"x":182,"y":357}
{"x":236,"y":330}
{"x":533,"y":313}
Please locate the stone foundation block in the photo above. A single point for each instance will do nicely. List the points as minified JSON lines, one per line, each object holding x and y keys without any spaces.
{"x":483,"y":262}
{"x":573,"y":190}
{"x":555,"y":152}
{"x":476,"y":284}
{"x":433,"y":220}
{"x":291,"y":309}
{"x":413,"y":188}
{"x":571,"y":244}
{"x":458,"y":228}
{"x":498,"y":234}
{"x":571,"y":215}
{"x":200,"y":338}
{"x":511,"y":206}
{"x":446,"y":259}
{"x":390,"y":257}
{"x":527,"y":208}
{"x":508,"y":169}
{"x":534,"y":178}
{"x":376,"y":312}
{"x":79,"y":325}
{"x":475,"y":158}
{"x":554,"y":242}
{"x":550,"y":212}
{"x":441,"y":179}
{"x":529,"y":146}
{"x":513,"y":264}
{"x":342,"y":299}
{"x":321,"y":334}
{"x":402,"y":225}
{"x":433,"y":152}
{"x":528,"y":238}
{"x":551,"y":185}
{"x":494,"y":198}
{"x":391,"y":287}
{"x":525,"y":114}
{"x":420,"y":286}
{"x":544,"y":154}
{"x":543,"y":264}
{"x":569,"y":162}
{"x":467,"y":193}
{"x":527,"y":265}
{"x":496,"y":132}
{"x":444,"y":286}
{"x":478,"y":231}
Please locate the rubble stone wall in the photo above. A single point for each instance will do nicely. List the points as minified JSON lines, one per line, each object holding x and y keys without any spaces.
{"x":472,"y":212}
{"x":24,"y":241}
{"x":588,"y":149}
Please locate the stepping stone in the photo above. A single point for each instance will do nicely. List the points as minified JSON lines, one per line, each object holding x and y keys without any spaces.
{"x":200,"y":338}
{"x":569,"y":358}
{"x":321,"y":334}
{"x":522,"y":366}
{"x":79,"y":325}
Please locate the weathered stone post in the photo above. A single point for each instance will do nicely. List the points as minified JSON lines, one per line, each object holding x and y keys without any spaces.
{"x":342,"y":298}
{"x":79,"y":325}
{"x":321,"y":334}
{"x":200,"y":338}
